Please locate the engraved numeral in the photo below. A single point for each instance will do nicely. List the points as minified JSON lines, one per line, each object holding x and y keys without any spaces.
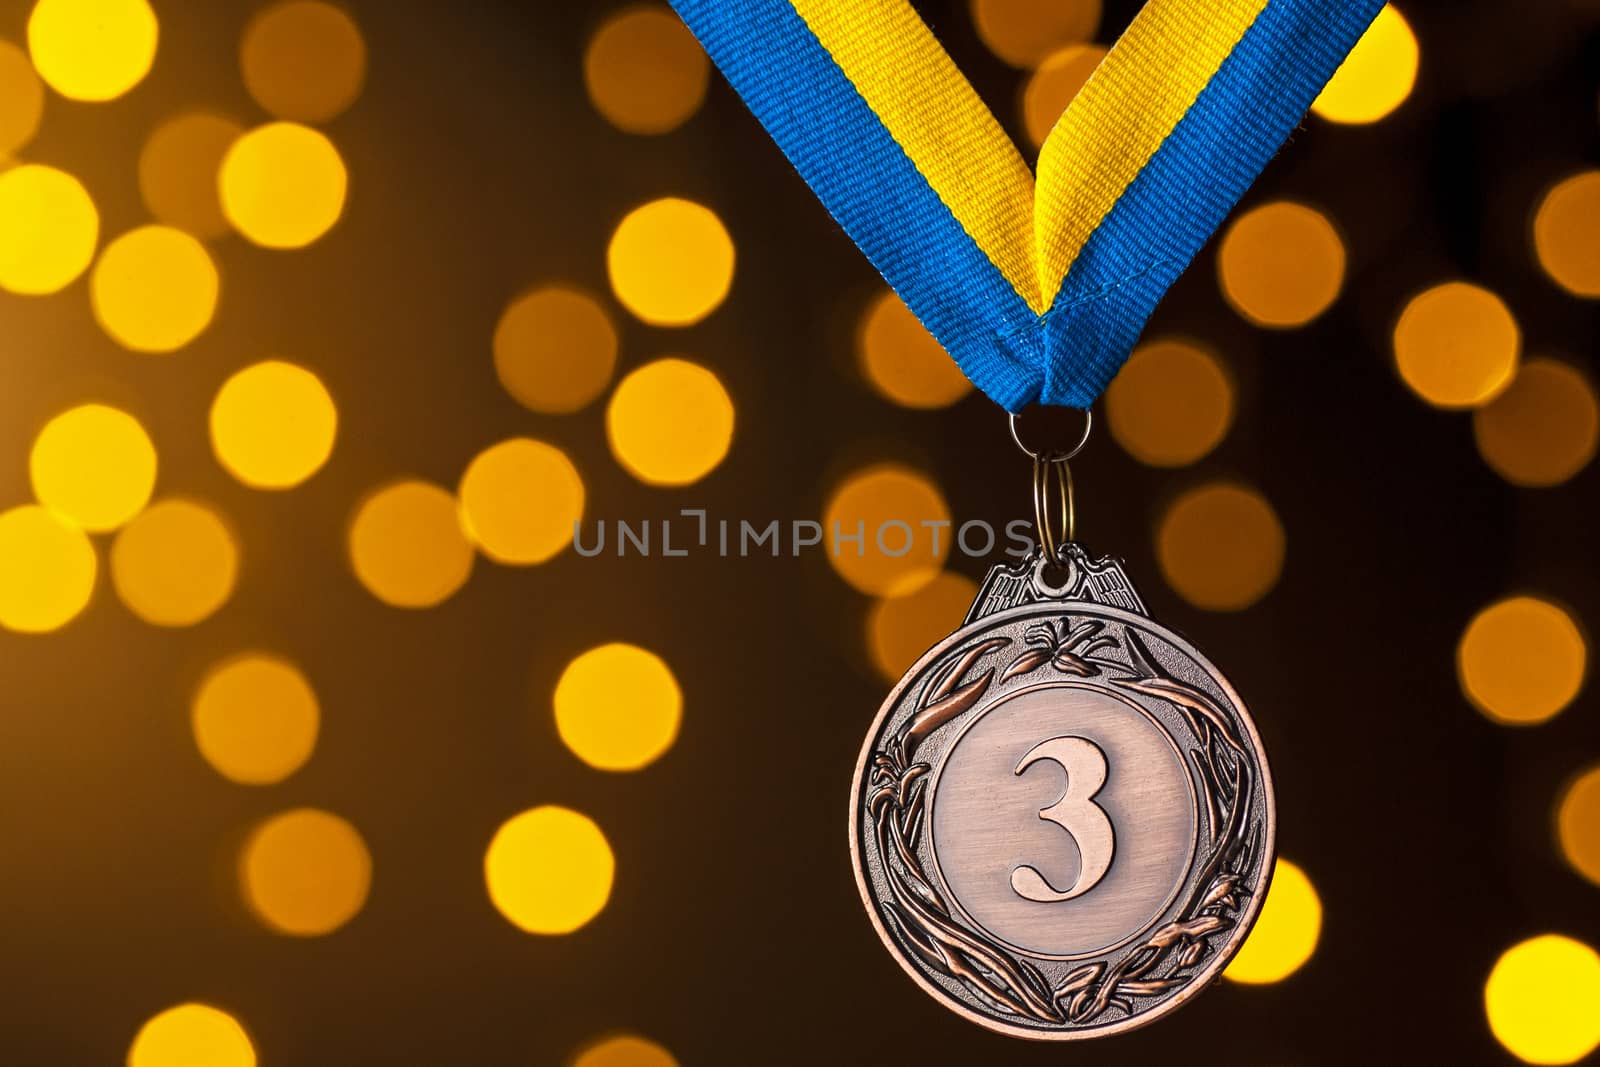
{"x":1076,"y":813}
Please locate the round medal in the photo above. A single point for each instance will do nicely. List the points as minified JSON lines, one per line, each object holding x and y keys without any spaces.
{"x":1062,"y":819}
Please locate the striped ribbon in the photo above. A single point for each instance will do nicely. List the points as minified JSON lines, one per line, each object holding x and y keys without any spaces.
{"x":1038,"y":287}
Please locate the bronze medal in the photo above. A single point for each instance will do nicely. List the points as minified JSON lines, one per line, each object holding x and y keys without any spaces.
{"x":1062,"y":819}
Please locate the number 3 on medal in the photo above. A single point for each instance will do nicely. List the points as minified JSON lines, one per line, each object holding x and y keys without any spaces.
{"x":1076,"y":813}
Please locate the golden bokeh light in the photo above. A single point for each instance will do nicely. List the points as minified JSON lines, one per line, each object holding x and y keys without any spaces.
{"x":1566,"y":234}
{"x":901,"y":628}
{"x":1286,"y":932}
{"x":644,"y":70}
{"x":1281,"y":264}
{"x":520,"y":500}
{"x":1221,"y":546}
{"x":1543,"y":429}
{"x":555,"y":349}
{"x":305,"y":873}
{"x":1578,"y":824}
{"x":1171,"y":403}
{"x":283,"y":185}
{"x":624,"y":1050}
{"x":255,"y":719}
{"x":886,"y":530}
{"x":92,"y":49}
{"x":1543,"y":1000}
{"x":192,"y":1035}
{"x":178,"y":169}
{"x":303,"y":60}
{"x":1377,"y":75}
{"x":618,"y":707}
{"x":175,"y":564}
{"x":48,"y":229}
{"x":94,"y":465}
{"x":273,"y":425}
{"x":154,"y":289}
{"x":1053,"y":86}
{"x":408,"y":547}
{"x":671,"y":262}
{"x":549,"y":870}
{"x":1024,"y":32}
{"x":1521,"y":661}
{"x":47,"y":570}
{"x":670,"y":422}
{"x":21,"y":99}
{"x":903,"y":361}
{"x":1457,"y":345}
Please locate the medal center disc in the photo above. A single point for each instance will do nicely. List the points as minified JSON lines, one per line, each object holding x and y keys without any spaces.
{"x":1063,"y":820}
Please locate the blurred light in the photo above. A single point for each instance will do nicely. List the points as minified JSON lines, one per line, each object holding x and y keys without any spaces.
{"x":94,"y":465}
{"x":1457,"y":345}
{"x":47,"y":570}
{"x":1286,"y":932}
{"x":618,"y":707}
{"x":154,"y":289}
{"x":879,"y":504}
{"x":283,"y":185}
{"x":671,"y":262}
{"x":273,"y":425}
{"x":48,"y":229}
{"x":903,"y":361}
{"x":303,"y":60}
{"x":92,"y":49}
{"x":644,"y":70}
{"x":624,"y":1050}
{"x":1566,"y":234}
{"x":305,"y":872}
{"x":1542,"y":430}
{"x":670,"y":422}
{"x":1543,"y":1000}
{"x":1521,"y":661}
{"x":1281,"y":264}
{"x":1024,"y":32}
{"x":175,"y":564}
{"x":555,"y":349}
{"x":900,"y":629}
{"x":407,"y":545}
{"x":255,"y":719}
{"x":520,"y":500}
{"x":1054,"y":85}
{"x":1220,"y":547}
{"x":1377,"y":75}
{"x":192,"y":1035}
{"x":1171,"y":403}
{"x":21,"y":99}
{"x":178,"y":170}
{"x":1578,"y":824}
{"x":549,"y":870}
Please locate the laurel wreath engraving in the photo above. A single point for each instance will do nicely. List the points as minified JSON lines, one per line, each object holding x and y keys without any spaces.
{"x":1013,"y":985}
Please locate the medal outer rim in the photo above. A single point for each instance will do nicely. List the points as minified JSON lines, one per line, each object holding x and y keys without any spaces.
{"x":1203,"y":978}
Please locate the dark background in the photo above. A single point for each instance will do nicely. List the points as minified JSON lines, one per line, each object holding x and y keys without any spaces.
{"x":734,"y":933}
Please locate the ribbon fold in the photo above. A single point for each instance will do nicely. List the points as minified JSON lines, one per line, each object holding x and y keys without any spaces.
{"x":1039,"y":286}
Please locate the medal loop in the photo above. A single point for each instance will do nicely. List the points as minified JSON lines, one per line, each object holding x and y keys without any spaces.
{"x":1055,"y":515}
{"x":1061,"y":452}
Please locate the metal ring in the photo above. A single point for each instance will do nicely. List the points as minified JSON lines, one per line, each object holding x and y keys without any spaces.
{"x":1071,"y":453}
{"x":1065,"y":520}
